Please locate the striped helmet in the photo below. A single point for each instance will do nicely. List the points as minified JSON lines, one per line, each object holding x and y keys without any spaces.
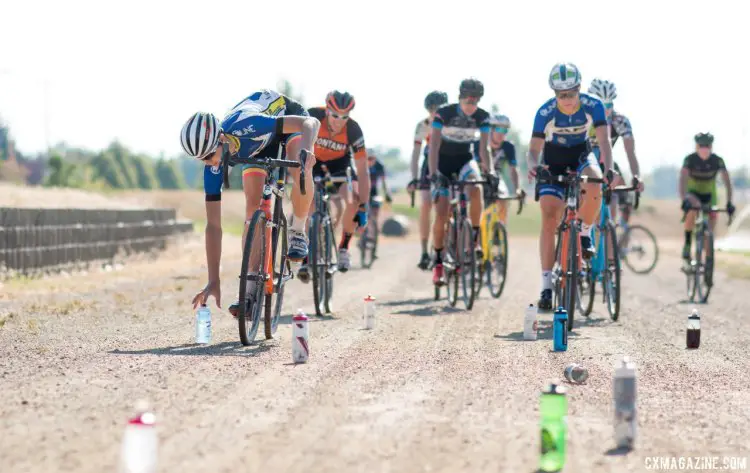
{"x":564,"y":76}
{"x":603,"y":89}
{"x":500,"y":120}
{"x":200,"y":135}
{"x":341,"y":102}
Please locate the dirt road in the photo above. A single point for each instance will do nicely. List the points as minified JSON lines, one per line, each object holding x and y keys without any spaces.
{"x":429,"y":390}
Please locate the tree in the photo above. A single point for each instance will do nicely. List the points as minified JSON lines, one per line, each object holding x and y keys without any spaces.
{"x":168,"y":175}
{"x":123,"y":159}
{"x":106,"y":169}
{"x":144,"y":172}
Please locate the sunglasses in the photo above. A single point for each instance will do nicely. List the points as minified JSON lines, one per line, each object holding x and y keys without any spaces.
{"x":211,"y":153}
{"x":500,"y":130}
{"x":609,"y":106}
{"x":471,"y":100}
{"x":704,"y":146}
{"x":337,"y":116}
{"x":571,"y":94}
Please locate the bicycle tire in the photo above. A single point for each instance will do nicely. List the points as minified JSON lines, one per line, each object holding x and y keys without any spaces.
{"x":571,"y":276}
{"x":468,"y":264}
{"x":625,"y":255}
{"x":450,"y":270}
{"x":248,"y":331}
{"x":612,"y":274}
{"x":330,"y":248}
{"x":707,"y":266}
{"x":591,"y":281}
{"x":281,"y":274}
{"x":498,"y":264}
{"x":317,"y":264}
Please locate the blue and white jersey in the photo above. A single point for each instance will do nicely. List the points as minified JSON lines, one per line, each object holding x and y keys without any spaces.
{"x":569,"y":130}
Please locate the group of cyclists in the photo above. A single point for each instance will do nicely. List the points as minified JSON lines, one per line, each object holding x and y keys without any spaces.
{"x":572,"y":132}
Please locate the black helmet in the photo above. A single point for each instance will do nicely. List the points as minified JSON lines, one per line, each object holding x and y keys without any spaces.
{"x":341,"y":102}
{"x":435,"y":99}
{"x":705,"y":139}
{"x":471,"y":88}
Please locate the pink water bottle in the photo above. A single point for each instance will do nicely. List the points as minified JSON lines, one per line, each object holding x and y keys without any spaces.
{"x":300,"y":337}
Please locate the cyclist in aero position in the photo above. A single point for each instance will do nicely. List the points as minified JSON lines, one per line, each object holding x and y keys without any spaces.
{"x":502,"y":154}
{"x":377,"y":174}
{"x":432,"y":102}
{"x":698,"y":185}
{"x":454,"y":130}
{"x":561,"y":132}
{"x":256,"y":127}
{"x":619,"y":127}
{"x":340,"y":138}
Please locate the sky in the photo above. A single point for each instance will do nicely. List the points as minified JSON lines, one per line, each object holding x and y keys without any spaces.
{"x":136,"y":70}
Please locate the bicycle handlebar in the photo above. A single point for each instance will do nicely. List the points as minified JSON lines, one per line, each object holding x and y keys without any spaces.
{"x":264,"y":163}
{"x":520,"y":198}
{"x":707,"y":208}
{"x":623,"y":189}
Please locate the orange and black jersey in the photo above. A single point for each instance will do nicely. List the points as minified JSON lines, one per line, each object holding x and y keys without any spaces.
{"x":348,"y":142}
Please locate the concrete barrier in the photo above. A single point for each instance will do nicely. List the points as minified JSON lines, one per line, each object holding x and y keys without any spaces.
{"x":396,"y":225}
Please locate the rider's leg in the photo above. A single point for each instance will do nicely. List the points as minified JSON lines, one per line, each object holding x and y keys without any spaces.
{"x":300,"y":202}
{"x":349,"y":225}
{"x":438,"y":233}
{"x":591,"y":195}
{"x":552,"y":207}
{"x":424,"y":219}
{"x":690,"y":224}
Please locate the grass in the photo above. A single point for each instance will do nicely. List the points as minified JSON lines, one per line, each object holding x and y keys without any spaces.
{"x":229,"y":226}
{"x":735,"y":263}
{"x":5,"y":318}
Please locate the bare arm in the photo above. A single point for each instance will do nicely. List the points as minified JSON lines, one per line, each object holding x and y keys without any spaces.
{"x":535,"y":150}
{"x":484,"y":153}
{"x":308,"y":126}
{"x":415,"y":160}
{"x":363,"y":177}
{"x":514,"y":178}
{"x":605,"y":148}
{"x":727,"y":183}
{"x":213,"y":239}
{"x":683,"y":183}
{"x":436,"y":138}
{"x":629,"y":144}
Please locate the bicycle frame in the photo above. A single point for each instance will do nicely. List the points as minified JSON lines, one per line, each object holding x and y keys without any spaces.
{"x":490,"y":218}
{"x":569,"y":220}
{"x":597,"y":265}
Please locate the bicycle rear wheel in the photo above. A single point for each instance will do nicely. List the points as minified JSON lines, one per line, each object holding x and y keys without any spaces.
{"x":468,"y":266}
{"x":282,"y":272}
{"x":571,"y":276}
{"x":611,"y":276}
{"x":704,"y":275}
{"x":252,"y":279}
{"x":317,"y":263}
{"x":638,"y":249}
{"x":451,"y":264}
{"x":497,"y":264}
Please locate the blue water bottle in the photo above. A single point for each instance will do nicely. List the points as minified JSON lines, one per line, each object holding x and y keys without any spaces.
{"x":560,"y":330}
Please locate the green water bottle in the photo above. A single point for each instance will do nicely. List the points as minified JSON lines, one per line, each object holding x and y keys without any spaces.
{"x":553,"y":410}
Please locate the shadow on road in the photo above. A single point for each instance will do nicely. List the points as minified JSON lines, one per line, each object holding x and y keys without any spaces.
{"x":287,"y":319}
{"x":192,"y":349}
{"x":428,"y":311}
{"x":618,"y":451}
{"x":407,"y":302}
{"x":544,"y":332}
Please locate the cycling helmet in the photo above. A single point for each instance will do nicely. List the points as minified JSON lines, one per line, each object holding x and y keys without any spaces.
{"x":603,"y":89}
{"x":471,"y":87}
{"x":341,"y":102}
{"x":200,"y":135}
{"x":500,"y":120}
{"x":435,"y":99}
{"x":706,"y":139}
{"x":564,"y":76}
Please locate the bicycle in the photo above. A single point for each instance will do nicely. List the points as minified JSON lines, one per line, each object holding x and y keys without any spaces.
{"x":700,"y":271}
{"x":493,"y":237}
{"x":368,"y":244}
{"x":323,"y":260}
{"x":270,"y":269}
{"x":460,"y":251}
{"x":568,"y":257}
{"x":605,"y":266}
{"x":635,"y":241}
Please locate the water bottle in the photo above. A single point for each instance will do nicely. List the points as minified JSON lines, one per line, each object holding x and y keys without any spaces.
{"x":553,"y":411}
{"x":694,"y":330}
{"x":300,"y":337}
{"x":576,"y":373}
{"x":624,"y":397}
{"x":140,"y":443}
{"x":560,"y":330}
{"x":368,"y":314}
{"x":203,"y":325}
{"x":529,"y":323}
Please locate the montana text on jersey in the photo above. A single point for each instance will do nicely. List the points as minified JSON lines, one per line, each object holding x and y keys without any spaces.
{"x":569,"y":130}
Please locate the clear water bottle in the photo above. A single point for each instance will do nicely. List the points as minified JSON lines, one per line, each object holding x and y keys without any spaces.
{"x":694,"y":330}
{"x":560,"y":330}
{"x":203,"y":325}
{"x":624,"y":398}
{"x":300,"y":337}
{"x":529,"y":323}
{"x":368,"y":314}
{"x":138,"y":453}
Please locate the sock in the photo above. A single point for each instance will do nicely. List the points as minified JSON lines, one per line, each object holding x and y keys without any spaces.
{"x":438,"y":256}
{"x":345,"y":241}
{"x":424,"y":247}
{"x":298,"y":224}
{"x":688,"y":237}
{"x":476,"y":234}
{"x":546,"y":280}
{"x":586,"y":230}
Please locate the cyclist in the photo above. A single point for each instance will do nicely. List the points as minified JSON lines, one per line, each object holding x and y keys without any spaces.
{"x":256,"y":127}
{"x":454,"y":129}
{"x":698,"y":185}
{"x":561,"y":131}
{"x":502,"y":154}
{"x":377,"y":173}
{"x":340,"y":138}
{"x":432,"y":102}
{"x":619,"y":127}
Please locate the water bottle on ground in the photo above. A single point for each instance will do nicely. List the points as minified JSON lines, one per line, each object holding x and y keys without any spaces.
{"x":138,"y":452}
{"x":553,"y":411}
{"x":576,"y":373}
{"x":368,"y":315}
{"x":694,"y":330}
{"x":530,"y":323}
{"x":624,"y":398}
{"x":560,"y":330}
{"x":300,"y":337}
{"x":203,"y":325}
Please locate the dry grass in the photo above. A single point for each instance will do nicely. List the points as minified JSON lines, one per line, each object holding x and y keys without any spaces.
{"x":6,"y":317}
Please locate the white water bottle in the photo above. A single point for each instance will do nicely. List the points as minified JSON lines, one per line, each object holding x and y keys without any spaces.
{"x":203,"y":325}
{"x":368,"y":314}
{"x":529,"y":323}
{"x":300,"y":337}
{"x":624,"y":399}
{"x":139,"y":449}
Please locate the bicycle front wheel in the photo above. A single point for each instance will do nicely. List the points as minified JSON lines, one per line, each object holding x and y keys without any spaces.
{"x":452,"y":264}
{"x":611,"y":279}
{"x":638,"y":249}
{"x":330,"y":249}
{"x":705,"y":275}
{"x":252,"y":279}
{"x":497,"y":263}
{"x":317,"y":264}
{"x":571,"y":276}
{"x":282,"y":272}
{"x":467,"y":264}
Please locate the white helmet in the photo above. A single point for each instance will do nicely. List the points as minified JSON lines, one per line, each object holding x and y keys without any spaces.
{"x":564,"y":76}
{"x":603,"y":89}
{"x":500,"y":120}
{"x":200,"y":135}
